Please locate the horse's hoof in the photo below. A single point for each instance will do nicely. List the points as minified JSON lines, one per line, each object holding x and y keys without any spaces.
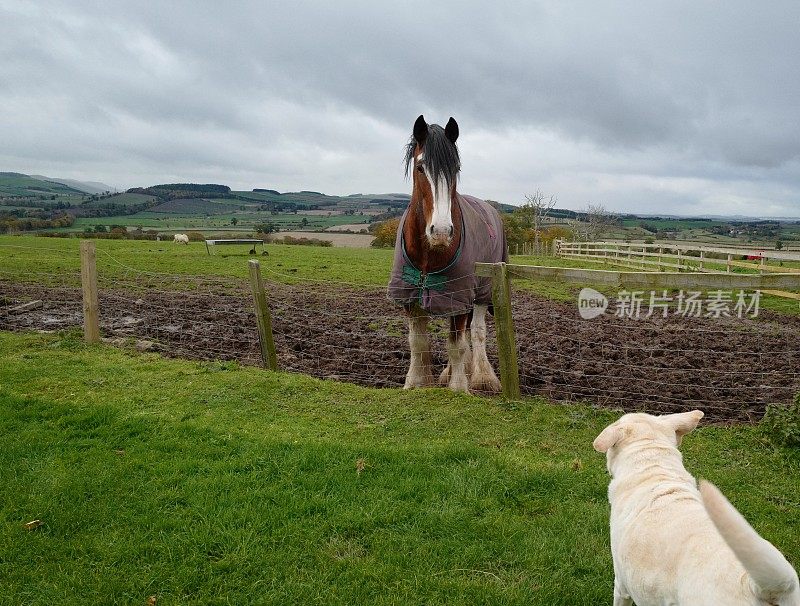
{"x":484,"y":379}
{"x":461,"y":389}
{"x":487,"y":385}
{"x":418,"y":381}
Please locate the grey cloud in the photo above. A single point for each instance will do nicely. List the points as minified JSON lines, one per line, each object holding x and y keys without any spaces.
{"x":259,"y":90}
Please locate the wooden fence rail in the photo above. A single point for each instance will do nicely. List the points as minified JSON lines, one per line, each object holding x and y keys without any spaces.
{"x":697,"y":255}
{"x":681,"y":257}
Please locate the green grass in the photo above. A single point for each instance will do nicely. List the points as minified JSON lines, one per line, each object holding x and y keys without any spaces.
{"x":673,"y":224}
{"x":125,"y":199}
{"x":56,"y":260}
{"x":246,"y":221}
{"x":28,"y":258}
{"x":207,"y":483}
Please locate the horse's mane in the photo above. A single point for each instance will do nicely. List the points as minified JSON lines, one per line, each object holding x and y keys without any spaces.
{"x":441,"y":156}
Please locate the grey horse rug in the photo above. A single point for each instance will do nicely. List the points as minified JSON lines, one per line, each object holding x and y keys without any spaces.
{"x":454,"y":289}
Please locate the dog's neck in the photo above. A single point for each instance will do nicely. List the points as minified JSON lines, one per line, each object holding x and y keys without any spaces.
{"x":648,"y":462}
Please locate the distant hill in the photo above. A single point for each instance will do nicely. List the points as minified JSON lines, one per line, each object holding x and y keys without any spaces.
{"x":20,"y":185}
{"x":195,"y":198}
{"x":89,"y":187}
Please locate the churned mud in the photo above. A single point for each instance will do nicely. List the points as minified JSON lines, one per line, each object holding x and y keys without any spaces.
{"x":731,"y":368}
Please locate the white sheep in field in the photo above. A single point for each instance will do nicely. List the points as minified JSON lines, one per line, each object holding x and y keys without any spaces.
{"x":181,"y":239}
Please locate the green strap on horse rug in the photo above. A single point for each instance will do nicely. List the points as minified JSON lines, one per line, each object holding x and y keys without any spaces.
{"x":413,"y":276}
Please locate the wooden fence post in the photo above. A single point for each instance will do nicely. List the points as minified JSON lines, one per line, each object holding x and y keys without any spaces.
{"x":504,"y":324}
{"x":730,"y":258}
{"x":263,"y":318}
{"x":91,"y":306}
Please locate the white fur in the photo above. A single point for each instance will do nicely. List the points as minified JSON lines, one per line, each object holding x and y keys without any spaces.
{"x":483,"y":377}
{"x":181,"y":239}
{"x":458,"y":355}
{"x":442,"y":216}
{"x":672,"y":547}
{"x":441,"y":224}
{"x":419,"y":372}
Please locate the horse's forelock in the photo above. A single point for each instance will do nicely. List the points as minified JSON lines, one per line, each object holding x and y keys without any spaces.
{"x":440,"y":157}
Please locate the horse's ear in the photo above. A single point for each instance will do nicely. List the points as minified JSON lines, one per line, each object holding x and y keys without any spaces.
{"x":451,"y":130}
{"x":420,"y":130}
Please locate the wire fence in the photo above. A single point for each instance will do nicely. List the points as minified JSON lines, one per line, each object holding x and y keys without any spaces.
{"x":731,"y":368}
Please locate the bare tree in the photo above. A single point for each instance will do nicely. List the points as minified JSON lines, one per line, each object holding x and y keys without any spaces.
{"x":538,"y":206}
{"x":596,"y":219}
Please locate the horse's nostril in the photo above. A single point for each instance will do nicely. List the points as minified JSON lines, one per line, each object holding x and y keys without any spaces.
{"x":451,"y":230}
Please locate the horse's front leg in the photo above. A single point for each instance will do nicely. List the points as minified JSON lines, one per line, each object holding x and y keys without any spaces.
{"x":483,"y":377}
{"x":459,"y":355}
{"x":419,"y":372}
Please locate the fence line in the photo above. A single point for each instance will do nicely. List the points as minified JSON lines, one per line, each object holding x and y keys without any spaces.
{"x":698,"y":259}
{"x":687,"y":256}
{"x":352,"y":333}
{"x":502,"y":274}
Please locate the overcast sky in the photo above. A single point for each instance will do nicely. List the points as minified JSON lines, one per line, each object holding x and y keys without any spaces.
{"x":652,"y":107}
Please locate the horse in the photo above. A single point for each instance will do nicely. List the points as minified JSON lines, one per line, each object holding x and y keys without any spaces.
{"x":440,"y":237}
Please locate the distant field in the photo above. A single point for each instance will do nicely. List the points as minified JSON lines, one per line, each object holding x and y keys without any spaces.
{"x":338,"y":240}
{"x":29,"y":258}
{"x":210,"y":224}
{"x":25,"y":257}
{"x":672,"y":223}
{"x":299,"y":198}
{"x":196,"y":206}
{"x":349,"y":227}
{"x":124,"y":199}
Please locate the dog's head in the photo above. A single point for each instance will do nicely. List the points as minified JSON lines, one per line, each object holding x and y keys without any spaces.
{"x":645,"y":430}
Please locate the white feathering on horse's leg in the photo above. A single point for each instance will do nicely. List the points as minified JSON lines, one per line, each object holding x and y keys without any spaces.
{"x":483,"y":377}
{"x":468,"y":366}
{"x":419,"y":371}
{"x":444,"y":377}
{"x":457,"y":349}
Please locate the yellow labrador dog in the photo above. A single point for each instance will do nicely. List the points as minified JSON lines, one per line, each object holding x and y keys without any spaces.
{"x":675,"y":545}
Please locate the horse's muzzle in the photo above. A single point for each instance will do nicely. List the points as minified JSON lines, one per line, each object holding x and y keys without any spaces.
{"x":440,"y":241}
{"x":438,"y":238}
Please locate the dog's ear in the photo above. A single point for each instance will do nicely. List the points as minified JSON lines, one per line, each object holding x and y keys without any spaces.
{"x":607,"y":438}
{"x":683,"y":422}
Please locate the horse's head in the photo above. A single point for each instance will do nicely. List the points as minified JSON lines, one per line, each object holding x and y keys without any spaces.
{"x":433,"y":161}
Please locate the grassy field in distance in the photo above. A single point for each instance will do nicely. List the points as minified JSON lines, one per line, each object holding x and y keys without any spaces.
{"x":30,"y":258}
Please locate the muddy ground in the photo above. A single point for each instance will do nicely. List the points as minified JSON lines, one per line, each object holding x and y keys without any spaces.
{"x":730,"y":368}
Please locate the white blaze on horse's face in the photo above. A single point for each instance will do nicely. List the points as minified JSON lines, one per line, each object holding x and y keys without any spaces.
{"x":439,"y":226}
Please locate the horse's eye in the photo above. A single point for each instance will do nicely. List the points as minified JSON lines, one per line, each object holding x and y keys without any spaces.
{"x":420,"y":169}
